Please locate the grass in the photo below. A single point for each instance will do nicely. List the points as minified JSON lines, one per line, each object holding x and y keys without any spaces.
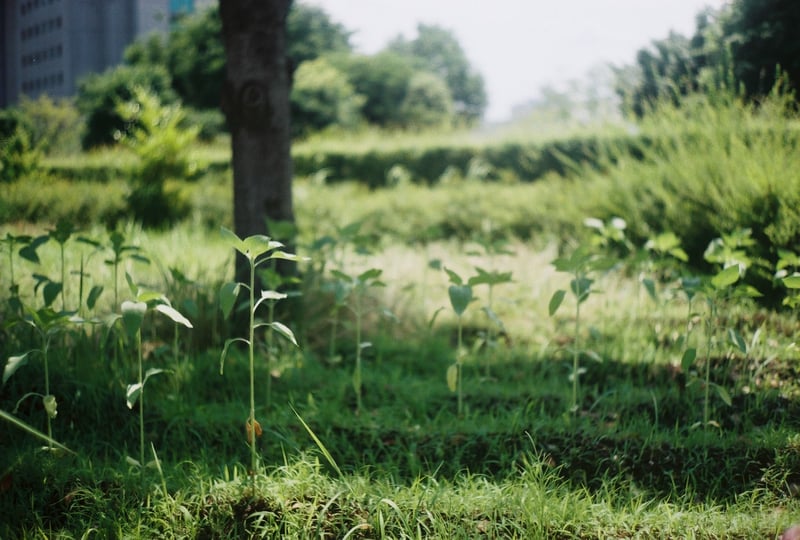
{"x":517,"y":464}
{"x":521,"y":460}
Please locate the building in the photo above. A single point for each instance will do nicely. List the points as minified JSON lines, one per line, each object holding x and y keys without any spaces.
{"x":46,"y":46}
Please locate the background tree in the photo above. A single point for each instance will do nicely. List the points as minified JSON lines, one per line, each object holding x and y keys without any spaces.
{"x":764,"y":35}
{"x":437,"y":50}
{"x":744,"y":43}
{"x":255,"y":101}
{"x":311,"y":33}
{"x":428,"y":103}
{"x":322,"y":97}
{"x":383,"y":81}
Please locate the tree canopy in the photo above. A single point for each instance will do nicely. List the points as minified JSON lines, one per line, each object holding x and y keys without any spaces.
{"x":747,"y":43}
{"x":417,"y":83}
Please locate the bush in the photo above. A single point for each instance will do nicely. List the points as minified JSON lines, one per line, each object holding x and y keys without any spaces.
{"x":55,"y":125}
{"x":162,"y":148}
{"x":18,"y":156}
{"x":99,"y":94}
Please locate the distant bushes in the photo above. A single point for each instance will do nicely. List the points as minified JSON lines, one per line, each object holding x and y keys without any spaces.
{"x":509,"y":161}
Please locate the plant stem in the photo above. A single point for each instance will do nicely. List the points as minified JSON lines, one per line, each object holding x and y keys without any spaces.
{"x":269,"y":353}
{"x":141,"y":397}
{"x":251,"y":351}
{"x":458,"y":370}
{"x":47,"y":390}
{"x":358,"y":352}
{"x":576,"y":358}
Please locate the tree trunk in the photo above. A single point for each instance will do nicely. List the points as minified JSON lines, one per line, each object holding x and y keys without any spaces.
{"x":255,"y":101}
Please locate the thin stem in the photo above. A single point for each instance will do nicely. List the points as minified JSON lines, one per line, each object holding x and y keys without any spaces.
{"x":141,"y":397}
{"x":458,"y":370}
{"x":358,"y":352}
{"x":63,"y":281}
{"x":576,"y":358}
{"x":269,"y":352}
{"x":47,"y":390}
{"x":251,"y":343}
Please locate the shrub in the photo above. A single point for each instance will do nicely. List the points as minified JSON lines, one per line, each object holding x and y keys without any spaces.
{"x":162,"y":147}
{"x":18,"y":156}
{"x":322,"y":97}
{"x":98,"y":95}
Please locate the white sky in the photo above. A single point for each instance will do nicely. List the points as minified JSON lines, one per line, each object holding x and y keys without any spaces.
{"x":521,"y":45}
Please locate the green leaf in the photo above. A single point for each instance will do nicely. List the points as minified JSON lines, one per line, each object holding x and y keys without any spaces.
{"x":173,"y":314}
{"x":650,"y":287}
{"x":452,"y":377}
{"x":258,"y":244}
{"x":726,"y":277}
{"x":29,"y":252}
{"x":581,"y":287}
{"x":371,"y":274}
{"x":286,"y":256}
{"x":272,"y":295}
{"x":134,"y":391}
{"x":132,"y":394}
{"x":792,"y":282}
{"x":233,"y":240}
{"x":460,"y":297}
{"x":227,"y":297}
{"x":13,"y":364}
{"x":224,"y":352}
{"x":737,"y":339}
{"x":131,"y":285}
{"x":94,"y":295}
{"x":33,"y":431}
{"x":133,"y":316}
{"x":723,"y":394}
{"x":454,"y":278}
{"x":50,"y":292}
{"x":556,"y":300}
{"x":283,"y":330}
{"x":688,"y":358}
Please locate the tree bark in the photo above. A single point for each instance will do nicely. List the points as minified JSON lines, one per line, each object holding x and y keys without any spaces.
{"x":255,"y":101}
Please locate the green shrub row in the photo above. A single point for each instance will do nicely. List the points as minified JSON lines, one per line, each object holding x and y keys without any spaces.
{"x":508,"y":161}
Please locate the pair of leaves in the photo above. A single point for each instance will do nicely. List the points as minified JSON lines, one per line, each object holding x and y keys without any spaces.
{"x":134,"y":391}
{"x":581,"y":288}
{"x":133,"y":313}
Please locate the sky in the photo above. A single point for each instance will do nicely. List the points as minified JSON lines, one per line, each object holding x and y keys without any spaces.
{"x":519,"y":46}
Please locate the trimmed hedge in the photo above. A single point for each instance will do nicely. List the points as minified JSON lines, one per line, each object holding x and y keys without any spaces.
{"x":511,"y":161}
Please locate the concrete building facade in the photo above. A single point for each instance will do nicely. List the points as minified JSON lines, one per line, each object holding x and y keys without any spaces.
{"x":46,"y":46}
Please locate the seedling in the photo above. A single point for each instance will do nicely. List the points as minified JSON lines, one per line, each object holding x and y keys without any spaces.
{"x":580,"y":265}
{"x":133,"y":313}
{"x":356,"y":287}
{"x":787,"y":261}
{"x":728,"y":252}
{"x":257,"y":249}
{"x":460,"y":294}
{"x":47,"y":324}
{"x":28,"y":246}
{"x":121,"y":251}
{"x":490,"y":278}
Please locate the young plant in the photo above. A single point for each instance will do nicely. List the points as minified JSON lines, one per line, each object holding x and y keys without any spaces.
{"x":133,"y":313}
{"x":47,"y":324}
{"x":788,"y":260}
{"x":460,"y":294}
{"x":28,"y":246}
{"x":356,"y":287}
{"x":257,"y":249}
{"x":490,"y":279}
{"x":580,"y":265}
{"x":121,"y":250}
{"x":729,"y":252}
